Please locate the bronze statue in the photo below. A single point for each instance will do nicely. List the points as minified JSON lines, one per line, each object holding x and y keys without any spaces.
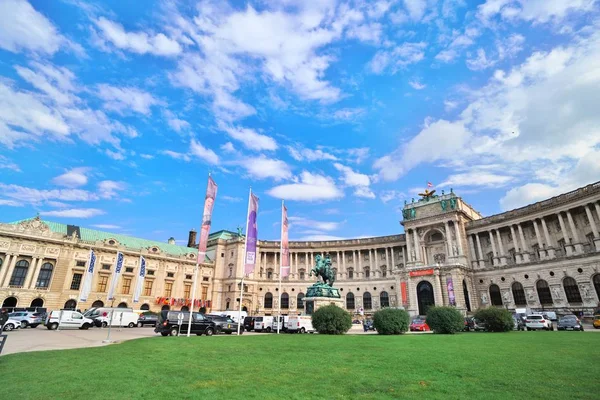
{"x":323,"y":269}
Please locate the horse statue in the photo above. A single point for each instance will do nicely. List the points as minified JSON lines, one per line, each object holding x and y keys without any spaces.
{"x":323,"y":269}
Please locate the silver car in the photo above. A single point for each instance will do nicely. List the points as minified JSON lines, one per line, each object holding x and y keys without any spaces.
{"x":27,"y":318}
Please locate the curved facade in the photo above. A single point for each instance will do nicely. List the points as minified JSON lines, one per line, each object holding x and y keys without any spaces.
{"x":546,"y":255}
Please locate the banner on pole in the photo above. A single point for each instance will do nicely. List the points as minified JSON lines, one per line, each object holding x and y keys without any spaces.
{"x":285,"y":246}
{"x":209,"y":201}
{"x":86,"y":287}
{"x":140,"y":280}
{"x":115,"y":277}
{"x":251,"y":235}
{"x":450,"y":287}
{"x":404,"y":293}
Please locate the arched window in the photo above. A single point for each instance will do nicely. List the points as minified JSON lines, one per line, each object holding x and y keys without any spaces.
{"x":596,"y":281}
{"x":350,"y":273}
{"x":122,"y":305}
{"x":300,"y":301}
{"x":268,"y":300}
{"x":383,"y":272}
{"x":19,"y":273}
{"x":37,"y":302}
{"x":9,"y":302}
{"x":350,"y":301}
{"x":495,"y":295}
{"x":166,"y":307}
{"x":572,"y":290}
{"x":145,"y":307}
{"x":285,"y":301}
{"x":384,"y":299}
{"x":98,"y":303}
{"x":43,"y":280}
{"x":367,"y":304}
{"x":185,"y":309}
{"x":543,"y":292}
{"x":367,"y":272}
{"x":70,"y":305}
{"x":301,"y":273}
{"x":519,"y":294}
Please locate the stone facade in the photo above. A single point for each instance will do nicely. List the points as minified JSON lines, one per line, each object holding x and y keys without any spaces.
{"x":546,"y":255}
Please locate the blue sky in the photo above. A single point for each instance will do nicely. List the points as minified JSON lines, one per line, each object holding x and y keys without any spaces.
{"x":112,"y":113}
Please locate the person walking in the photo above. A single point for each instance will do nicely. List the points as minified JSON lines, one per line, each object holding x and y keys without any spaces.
{"x":365,"y":327}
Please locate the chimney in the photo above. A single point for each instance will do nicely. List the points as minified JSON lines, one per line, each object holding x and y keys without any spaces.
{"x":192,"y":239}
{"x":171,"y":240}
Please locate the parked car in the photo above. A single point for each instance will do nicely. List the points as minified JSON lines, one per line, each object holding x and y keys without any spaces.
{"x":169,"y":323}
{"x":67,"y":319}
{"x":597,"y":321}
{"x":263,"y":324}
{"x":469,"y":324}
{"x":538,"y":321}
{"x":249,"y":323}
{"x":225,"y":324}
{"x":147,"y":319}
{"x":479,"y":326}
{"x":419,"y":325}
{"x":369,"y":325}
{"x":27,"y":318}
{"x":11,"y":324}
{"x":569,"y":323}
{"x":519,"y":322}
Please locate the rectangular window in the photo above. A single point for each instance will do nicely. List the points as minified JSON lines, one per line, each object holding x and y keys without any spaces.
{"x":205,"y":279}
{"x":186,"y":291}
{"x":170,"y":274}
{"x":168,"y":289}
{"x":129,"y":269}
{"x":148,"y":288}
{"x":106,"y":267}
{"x":150,"y":272}
{"x":76,"y":281}
{"x":126,"y":285}
{"x":205,"y":292}
{"x":102,"y":281}
{"x":188,"y":277}
{"x":80,"y":263}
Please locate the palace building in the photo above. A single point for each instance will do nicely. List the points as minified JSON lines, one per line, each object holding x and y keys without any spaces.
{"x":542,"y":256}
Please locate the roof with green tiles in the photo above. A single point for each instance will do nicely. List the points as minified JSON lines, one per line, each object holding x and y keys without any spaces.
{"x":92,"y":235}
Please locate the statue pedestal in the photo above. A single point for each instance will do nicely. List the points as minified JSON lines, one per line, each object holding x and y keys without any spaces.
{"x":312,"y":304}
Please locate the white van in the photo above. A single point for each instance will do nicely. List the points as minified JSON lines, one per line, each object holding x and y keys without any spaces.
{"x":102,"y":311}
{"x":231,"y":314}
{"x":282,"y":328}
{"x":66,"y":319}
{"x":263,"y":324}
{"x":120,"y":317}
{"x":300,"y":323}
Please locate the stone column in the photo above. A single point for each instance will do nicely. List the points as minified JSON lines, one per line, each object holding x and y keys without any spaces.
{"x":437,"y":287}
{"x":538,"y":237}
{"x":404,"y":256}
{"x":387,"y":259}
{"x":590,"y":216}
{"x":549,"y":245}
{"x":409,"y":247}
{"x":515,"y":240}
{"x":10,"y":270}
{"x":36,"y":263}
{"x":358,"y":255}
{"x":472,"y":247}
{"x":578,"y":245}
{"x":495,"y":254}
{"x":481,"y":258}
{"x":567,"y":239}
{"x":344,"y":261}
{"x":458,"y":239}
{"x":417,"y":246}
{"x":5,"y":267}
{"x":393,"y":262}
{"x":449,"y":250}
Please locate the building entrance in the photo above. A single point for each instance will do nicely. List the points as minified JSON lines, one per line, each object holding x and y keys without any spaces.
{"x":425,"y":297}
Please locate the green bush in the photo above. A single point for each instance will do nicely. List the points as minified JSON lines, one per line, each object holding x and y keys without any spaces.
{"x":331,"y":320}
{"x":495,"y":319}
{"x":445,"y":320}
{"x":391,"y":321}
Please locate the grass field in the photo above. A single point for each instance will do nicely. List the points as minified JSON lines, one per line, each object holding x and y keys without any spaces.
{"x":514,"y":365}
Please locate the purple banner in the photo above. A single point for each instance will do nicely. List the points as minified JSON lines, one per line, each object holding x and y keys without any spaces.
{"x":251,"y":235}
{"x":450,"y":287}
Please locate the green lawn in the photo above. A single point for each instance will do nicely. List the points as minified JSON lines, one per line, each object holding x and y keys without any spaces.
{"x":515,"y":365}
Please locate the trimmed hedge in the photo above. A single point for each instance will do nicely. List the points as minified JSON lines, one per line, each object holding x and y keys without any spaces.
{"x":331,"y":320}
{"x":445,"y":320}
{"x":391,"y":321}
{"x":496,"y":319}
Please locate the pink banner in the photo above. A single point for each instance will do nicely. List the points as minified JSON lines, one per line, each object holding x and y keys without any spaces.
{"x":209,"y":201}
{"x":285,"y":246}
{"x":251,"y":235}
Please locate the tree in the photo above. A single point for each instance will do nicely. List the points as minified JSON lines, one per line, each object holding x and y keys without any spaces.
{"x":331,"y":320}
{"x":445,"y":320}
{"x":495,"y":319}
{"x":391,"y":321}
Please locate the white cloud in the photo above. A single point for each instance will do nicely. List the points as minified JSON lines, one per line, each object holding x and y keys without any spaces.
{"x":231,"y":199}
{"x":228,"y":147}
{"x":123,"y":99}
{"x":357,"y":155}
{"x":198,"y":150}
{"x":24,"y":28}
{"x":364,"y":192}
{"x":147,"y":156}
{"x":10,"y":203}
{"x":447,"y":55}
{"x":176,"y":155}
{"x":352,"y":178}
{"x":450,"y":105}
{"x":5,"y":163}
{"x":73,"y":178}
{"x":74,"y":213}
{"x":250,"y":138}
{"x":309,"y":187}
{"x":537,"y":11}
{"x":314,"y":224}
{"x":118,"y":155}
{"x":416,"y":8}
{"x":300,"y":153}
{"x":389,"y":195}
{"x":480,"y":61}
{"x":477,"y":178}
{"x":177,"y":124}
{"x":399,"y":57}
{"x":262,"y":167}
{"x":368,"y":32}
{"x":348,"y":114}
{"x":110,"y":189}
{"x":37,"y":196}
{"x":106,"y":226}
{"x":415,"y":84}
{"x":136,"y":42}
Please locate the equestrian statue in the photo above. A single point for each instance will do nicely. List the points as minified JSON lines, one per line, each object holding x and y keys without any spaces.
{"x":323,"y":269}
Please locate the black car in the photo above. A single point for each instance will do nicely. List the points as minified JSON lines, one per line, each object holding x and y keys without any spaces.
{"x":225,"y":324}
{"x":469,"y":324}
{"x":147,"y":319}
{"x":174,"y":322}
{"x":569,"y":323}
{"x":249,"y":323}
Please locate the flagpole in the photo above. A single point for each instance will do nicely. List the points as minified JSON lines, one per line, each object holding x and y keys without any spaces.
{"x":280,"y":265}
{"x":244,"y":263}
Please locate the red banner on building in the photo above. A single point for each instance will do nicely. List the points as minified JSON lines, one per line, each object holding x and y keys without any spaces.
{"x":423,"y":272}
{"x":404,"y":293}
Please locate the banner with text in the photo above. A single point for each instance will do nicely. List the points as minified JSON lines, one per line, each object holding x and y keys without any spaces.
{"x":140,"y":280}
{"x":209,"y":201}
{"x":86,"y":287}
{"x":450,"y":287}
{"x":285,"y":246}
{"x":251,"y":235}
{"x":115,"y":277}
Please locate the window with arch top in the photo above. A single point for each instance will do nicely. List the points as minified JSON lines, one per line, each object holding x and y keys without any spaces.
{"x":285,"y":301}
{"x":350,"y":301}
{"x":43,"y":280}
{"x":495,"y":295}
{"x":367,"y":301}
{"x":268,"y":300}
{"x":572,"y":290}
{"x":384,"y":299}
{"x":543,"y":292}
{"x":19,"y":273}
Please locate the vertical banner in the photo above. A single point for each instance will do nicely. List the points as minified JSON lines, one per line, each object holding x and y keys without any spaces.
{"x":86,"y":287}
{"x":450,"y":287}
{"x":140,"y":280}
{"x":115,"y":277}
{"x":285,"y":246}
{"x":251,"y":234}
{"x":209,"y":201}
{"x":404,"y":293}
